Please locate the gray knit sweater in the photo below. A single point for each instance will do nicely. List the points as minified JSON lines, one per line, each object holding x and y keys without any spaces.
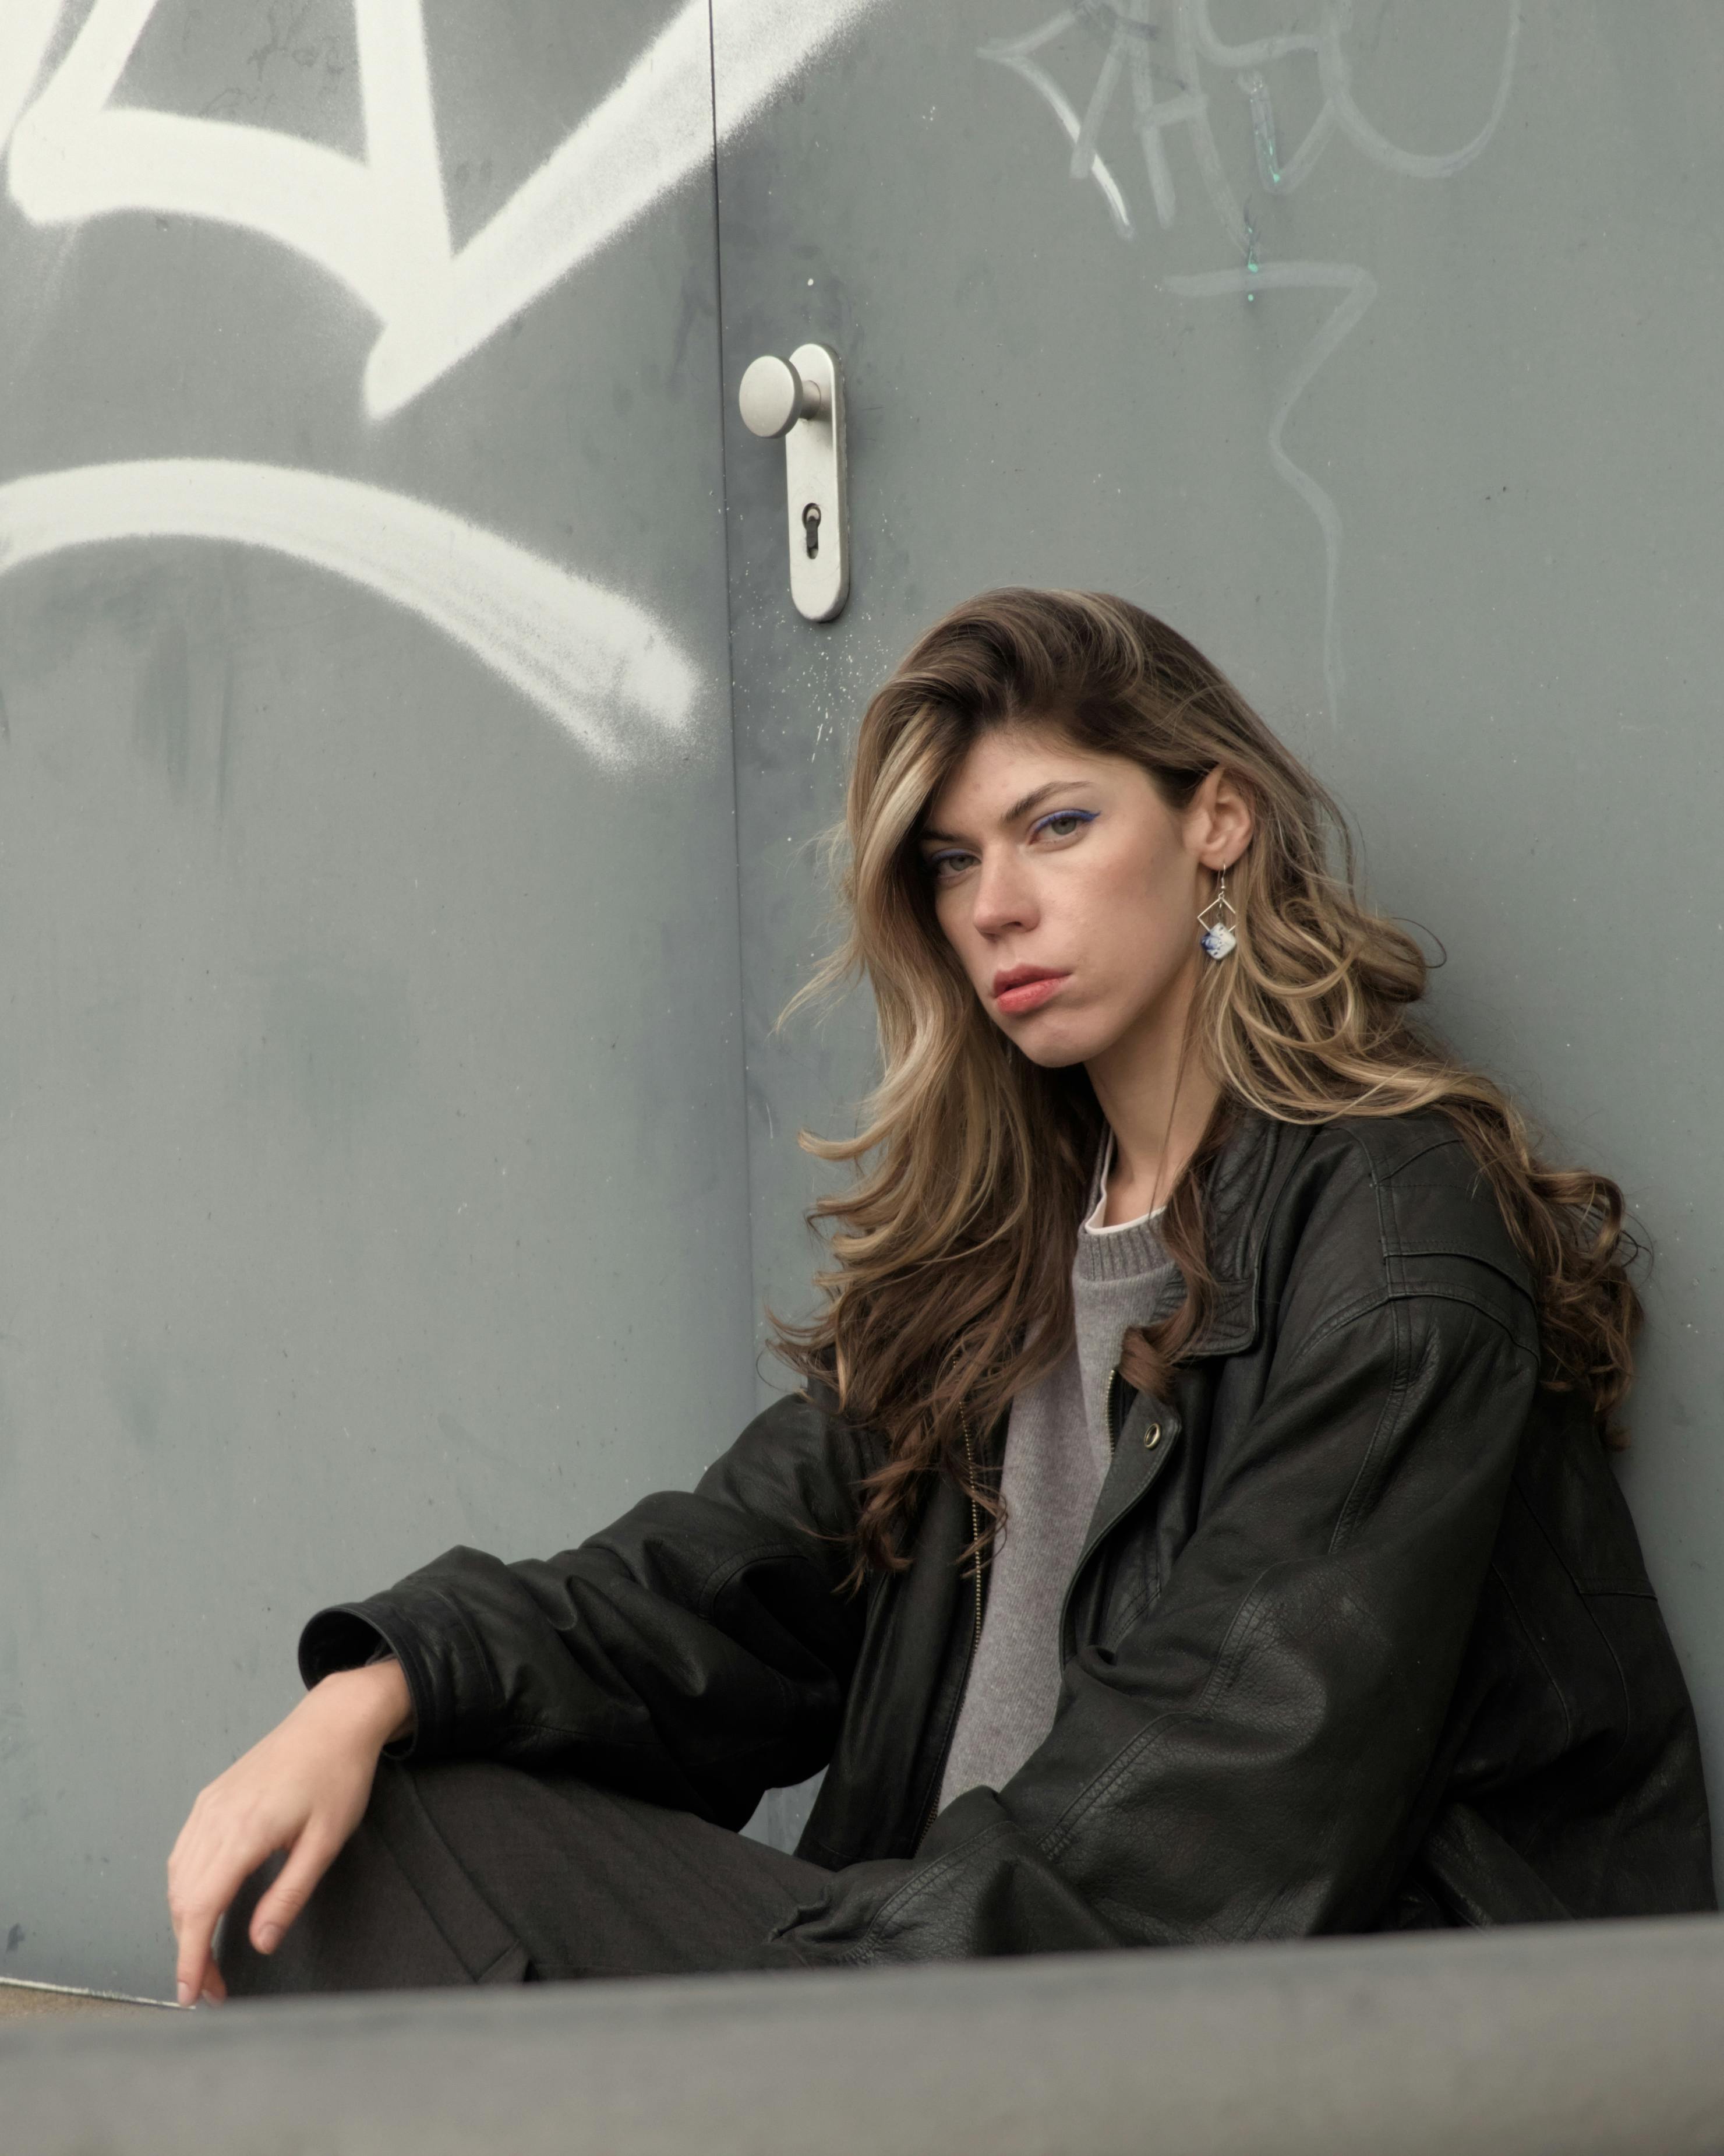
{"x":1056,"y":1458}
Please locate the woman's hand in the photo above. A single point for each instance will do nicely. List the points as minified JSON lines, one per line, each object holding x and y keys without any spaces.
{"x":304,"y":1789}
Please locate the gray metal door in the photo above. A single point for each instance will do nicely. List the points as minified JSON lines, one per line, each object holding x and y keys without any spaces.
{"x":372,"y":1142}
{"x":1374,"y":346}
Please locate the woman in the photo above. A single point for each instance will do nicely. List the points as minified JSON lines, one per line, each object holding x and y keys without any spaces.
{"x":1194,"y":1522}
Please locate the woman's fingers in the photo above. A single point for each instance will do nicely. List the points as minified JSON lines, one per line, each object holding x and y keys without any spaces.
{"x":203,"y":1875}
{"x":194,"y":1928}
{"x":302,"y":1788}
{"x":203,"y":1884}
{"x":224,"y":1842}
{"x":310,"y":1857}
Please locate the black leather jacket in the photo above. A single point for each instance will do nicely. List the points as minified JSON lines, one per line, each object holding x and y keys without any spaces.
{"x":1361,"y":1637}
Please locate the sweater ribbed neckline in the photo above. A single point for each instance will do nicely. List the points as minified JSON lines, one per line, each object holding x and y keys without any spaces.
{"x":1127,"y":1253}
{"x":1133,"y":1249}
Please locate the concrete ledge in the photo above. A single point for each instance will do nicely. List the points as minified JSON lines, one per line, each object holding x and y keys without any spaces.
{"x":1559,"y":2041}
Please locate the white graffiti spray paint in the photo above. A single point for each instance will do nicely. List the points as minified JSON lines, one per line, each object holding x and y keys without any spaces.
{"x":598,"y":665}
{"x":25,"y":37}
{"x":596,"y":662}
{"x":379,"y":225}
{"x":1168,"y":93}
{"x":1018,"y":54}
{"x":1360,"y":288}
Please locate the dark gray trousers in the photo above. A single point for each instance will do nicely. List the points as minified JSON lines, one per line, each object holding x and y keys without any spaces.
{"x":468,"y":1872}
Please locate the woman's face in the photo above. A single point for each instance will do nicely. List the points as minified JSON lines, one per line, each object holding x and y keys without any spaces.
{"x":1070,"y":890}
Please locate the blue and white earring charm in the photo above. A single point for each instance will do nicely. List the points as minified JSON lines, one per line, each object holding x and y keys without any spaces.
{"x":1219,"y":937}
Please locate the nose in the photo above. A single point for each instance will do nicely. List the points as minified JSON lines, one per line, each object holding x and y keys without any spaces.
{"x":1004,"y":897}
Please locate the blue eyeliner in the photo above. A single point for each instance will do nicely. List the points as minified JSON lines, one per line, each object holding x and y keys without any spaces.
{"x":1064,"y":816}
{"x":932,"y":862}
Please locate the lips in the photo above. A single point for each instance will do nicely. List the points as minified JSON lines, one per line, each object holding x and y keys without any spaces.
{"x":1020,"y":989}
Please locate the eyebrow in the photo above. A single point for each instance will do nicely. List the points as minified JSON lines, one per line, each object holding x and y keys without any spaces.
{"x":1017,"y":808}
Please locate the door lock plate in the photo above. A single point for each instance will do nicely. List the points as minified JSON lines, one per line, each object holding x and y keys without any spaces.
{"x":802,"y":398}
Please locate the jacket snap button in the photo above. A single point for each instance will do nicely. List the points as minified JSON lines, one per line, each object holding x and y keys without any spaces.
{"x":1151,"y":1437}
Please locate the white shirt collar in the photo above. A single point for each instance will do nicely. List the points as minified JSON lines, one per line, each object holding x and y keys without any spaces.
{"x":1098,"y":1193}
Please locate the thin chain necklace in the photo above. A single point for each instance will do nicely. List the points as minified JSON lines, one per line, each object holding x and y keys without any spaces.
{"x":1172,"y":1106}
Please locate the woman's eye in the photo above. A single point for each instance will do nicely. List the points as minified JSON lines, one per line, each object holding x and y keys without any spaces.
{"x":942,"y":867}
{"x":1066,"y":823}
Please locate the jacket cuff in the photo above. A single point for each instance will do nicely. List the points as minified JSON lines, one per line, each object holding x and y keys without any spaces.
{"x":350,"y":1635}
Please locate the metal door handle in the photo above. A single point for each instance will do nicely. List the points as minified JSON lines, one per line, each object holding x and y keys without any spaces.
{"x":773,"y":397}
{"x":801,"y":399}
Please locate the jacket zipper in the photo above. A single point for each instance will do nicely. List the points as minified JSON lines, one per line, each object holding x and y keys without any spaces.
{"x":1114,"y":1416}
{"x":963,"y":1422}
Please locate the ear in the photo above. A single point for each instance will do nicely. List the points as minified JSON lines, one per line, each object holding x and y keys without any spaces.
{"x":1218,"y":822}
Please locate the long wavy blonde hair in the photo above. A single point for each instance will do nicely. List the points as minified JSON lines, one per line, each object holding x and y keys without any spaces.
{"x":949,"y":1286}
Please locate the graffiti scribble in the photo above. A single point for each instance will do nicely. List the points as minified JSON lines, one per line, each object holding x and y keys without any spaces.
{"x":1157,"y":50}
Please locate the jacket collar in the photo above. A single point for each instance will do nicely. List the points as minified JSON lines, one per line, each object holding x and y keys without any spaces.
{"x":1255,"y":1159}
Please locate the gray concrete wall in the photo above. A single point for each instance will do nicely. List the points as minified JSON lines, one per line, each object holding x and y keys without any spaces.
{"x":1398,"y":402}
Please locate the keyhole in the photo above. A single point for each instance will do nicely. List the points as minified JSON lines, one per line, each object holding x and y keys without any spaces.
{"x":811,"y":527}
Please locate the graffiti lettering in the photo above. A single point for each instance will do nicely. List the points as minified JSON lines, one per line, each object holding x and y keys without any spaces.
{"x":597,"y":663}
{"x":1166,"y":91}
{"x":379,"y":225}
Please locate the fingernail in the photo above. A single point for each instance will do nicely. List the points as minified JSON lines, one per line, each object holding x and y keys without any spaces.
{"x":185,"y":1993}
{"x":269,"y":1939}
{"x":211,"y":1999}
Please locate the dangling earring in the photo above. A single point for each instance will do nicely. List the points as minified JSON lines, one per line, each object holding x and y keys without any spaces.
{"x":1219,"y":937}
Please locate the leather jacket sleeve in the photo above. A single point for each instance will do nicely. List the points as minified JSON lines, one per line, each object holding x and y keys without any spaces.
{"x":697,"y":1652}
{"x":1252,"y":1758}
